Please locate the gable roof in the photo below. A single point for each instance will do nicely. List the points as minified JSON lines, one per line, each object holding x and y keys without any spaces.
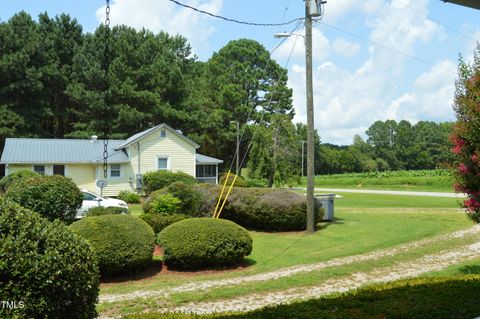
{"x":37,"y":150}
{"x":203,"y":159}
{"x":140,"y":135}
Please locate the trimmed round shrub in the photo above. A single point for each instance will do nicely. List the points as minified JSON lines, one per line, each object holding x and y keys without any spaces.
{"x":53,"y":197}
{"x":197,"y":243}
{"x":8,"y":180}
{"x":129,"y":197}
{"x":188,"y":195}
{"x":100,"y":210}
{"x":159,"y":222}
{"x":45,"y":266}
{"x":239,"y":182}
{"x":122,"y":244}
{"x":153,"y":181}
{"x":267,"y":209}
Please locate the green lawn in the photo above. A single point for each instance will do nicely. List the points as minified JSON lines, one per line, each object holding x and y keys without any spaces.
{"x":364,"y":223}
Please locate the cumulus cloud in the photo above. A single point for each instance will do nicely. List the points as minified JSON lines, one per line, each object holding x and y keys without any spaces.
{"x":349,"y":101}
{"x":345,"y":48}
{"x":158,"y":16}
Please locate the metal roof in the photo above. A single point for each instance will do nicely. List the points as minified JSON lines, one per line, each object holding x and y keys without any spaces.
{"x":138,"y":136}
{"x":36,"y":150}
{"x":203,"y":159}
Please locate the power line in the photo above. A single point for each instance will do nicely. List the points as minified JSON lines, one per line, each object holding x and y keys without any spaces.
{"x":235,"y":20}
{"x":380,"y":45}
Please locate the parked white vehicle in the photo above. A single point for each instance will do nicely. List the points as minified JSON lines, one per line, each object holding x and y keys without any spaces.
{"x":91,"y":199}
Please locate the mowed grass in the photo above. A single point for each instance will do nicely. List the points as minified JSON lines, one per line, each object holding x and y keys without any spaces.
{"x":364,"y":222}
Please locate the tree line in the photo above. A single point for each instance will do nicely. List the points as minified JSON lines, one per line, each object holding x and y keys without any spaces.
{"x":54,"y":85}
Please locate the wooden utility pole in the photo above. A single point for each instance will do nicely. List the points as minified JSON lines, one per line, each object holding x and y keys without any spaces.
{"x":310,"y":121}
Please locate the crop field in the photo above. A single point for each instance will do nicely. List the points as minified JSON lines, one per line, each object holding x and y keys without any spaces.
{"x":439,"y":180}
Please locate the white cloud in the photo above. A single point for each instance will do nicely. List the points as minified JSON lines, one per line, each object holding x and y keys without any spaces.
{"x":158,"y":16}
{"x":348,"y":102}
{"x":345,"y":48}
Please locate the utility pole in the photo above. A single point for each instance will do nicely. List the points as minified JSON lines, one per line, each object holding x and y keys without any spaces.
{"x":303,"y":155}
{"x":310,"y":121}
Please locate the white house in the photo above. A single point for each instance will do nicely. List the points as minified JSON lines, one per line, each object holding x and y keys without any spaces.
{"x":158,"y":148}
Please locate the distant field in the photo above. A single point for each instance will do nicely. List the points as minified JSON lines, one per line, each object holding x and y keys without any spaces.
{"x":421,"y":180}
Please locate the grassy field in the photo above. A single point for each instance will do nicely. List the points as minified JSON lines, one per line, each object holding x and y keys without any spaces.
{"x":422,"y":180}
{"x":364,"y":223}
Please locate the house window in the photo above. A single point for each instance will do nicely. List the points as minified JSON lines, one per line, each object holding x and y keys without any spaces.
{"x":40,"y":169}
{"x":162,"y":164}
{"x":114,"y":170}
{"x":59,"y":170}
{"x":206,"y":170}
{"x":163,"y":133}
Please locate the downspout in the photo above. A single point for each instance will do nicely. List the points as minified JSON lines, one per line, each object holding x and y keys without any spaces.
{"x":138,"y":153}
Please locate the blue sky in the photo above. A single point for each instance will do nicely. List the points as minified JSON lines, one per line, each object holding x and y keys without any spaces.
{"x":373,"y":59}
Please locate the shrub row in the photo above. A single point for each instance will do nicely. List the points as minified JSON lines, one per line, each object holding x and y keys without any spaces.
{"x":122,"y":244}
{"x":261,"y":208}
{"x":45,"y":266}
{"x":204,"y":242}
{"x":100,"y":210}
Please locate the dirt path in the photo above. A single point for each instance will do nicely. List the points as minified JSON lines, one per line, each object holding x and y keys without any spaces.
{"x":399,"y":271}
{"x":441,"y":260}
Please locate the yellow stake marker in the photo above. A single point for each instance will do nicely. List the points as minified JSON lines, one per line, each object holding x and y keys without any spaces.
{"x":226,"y":197}
{"x":221,"y":194}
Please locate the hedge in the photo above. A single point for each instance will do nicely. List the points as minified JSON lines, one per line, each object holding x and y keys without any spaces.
{"x":123,"y":244}
{"x":100,"y":210}
{"x":421,"y":298}
{"x":197,"y":243}
{"x":51,"y":270}
{"x":261,"y":208}
{"x":53,"y":197}
{"x":153,"y":181}
{"x":159,"y":222}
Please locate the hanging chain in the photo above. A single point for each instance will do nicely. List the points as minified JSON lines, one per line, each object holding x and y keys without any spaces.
{"x":106,"y":108}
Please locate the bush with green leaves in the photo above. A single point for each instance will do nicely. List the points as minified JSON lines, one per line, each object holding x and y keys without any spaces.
{"x":165,"y":204}
{"x":153,"y":181}
{"x":122,"y":244}
{"x":53,"y":197}
{"x":8,"y":180}
{"x":44,"y":265}
{"x":188,"y":195}
{"x":268,"y":209}
{"x":100,"y":210}
{"x":159,"y":222}
{"x":129,"y":197}
{"x":239,"y":181}
{"x":196,"y":243}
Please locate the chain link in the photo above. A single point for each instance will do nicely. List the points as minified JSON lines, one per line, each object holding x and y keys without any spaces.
{"x":106,"y":108}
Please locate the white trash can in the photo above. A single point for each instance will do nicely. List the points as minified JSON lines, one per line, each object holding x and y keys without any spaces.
{"x":327,"y":201}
